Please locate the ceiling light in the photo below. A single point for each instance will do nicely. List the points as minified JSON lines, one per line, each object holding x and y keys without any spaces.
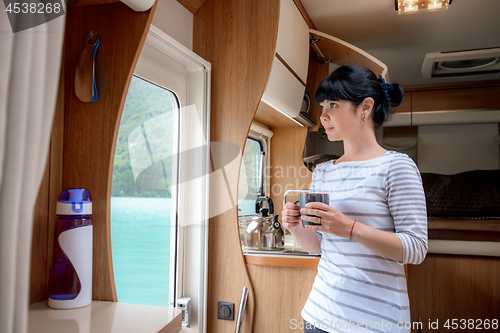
{"x":415,"y":6}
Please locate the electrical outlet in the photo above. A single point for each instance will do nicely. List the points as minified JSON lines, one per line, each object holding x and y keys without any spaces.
{"x":225,"y":311}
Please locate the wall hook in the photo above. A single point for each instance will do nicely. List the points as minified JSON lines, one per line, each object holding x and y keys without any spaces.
{"x":85,"y":86}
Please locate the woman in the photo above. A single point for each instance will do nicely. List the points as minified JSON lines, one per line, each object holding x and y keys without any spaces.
{"x":376,"y":220}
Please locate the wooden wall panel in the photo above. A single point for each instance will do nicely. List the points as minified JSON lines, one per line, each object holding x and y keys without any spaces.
{"x":91,"y":128}
{"x":454,"y":287}
{"x":281,"y":293}
{"x":238,"y":38}
{"x":283,"y":289}
{"x":288,"y":171}
{"x":287,"y":146}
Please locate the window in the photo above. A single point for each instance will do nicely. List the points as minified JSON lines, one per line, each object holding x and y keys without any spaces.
{"x":159,"y":205}
{"x":255,"y":178}
{"x":252,"y":159}
{"x":142,"y":218}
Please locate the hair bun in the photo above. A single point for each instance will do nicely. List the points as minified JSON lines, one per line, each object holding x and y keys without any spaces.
{"x":396,"y":95}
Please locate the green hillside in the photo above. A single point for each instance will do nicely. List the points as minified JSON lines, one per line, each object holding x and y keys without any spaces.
{"x":145,"y":102}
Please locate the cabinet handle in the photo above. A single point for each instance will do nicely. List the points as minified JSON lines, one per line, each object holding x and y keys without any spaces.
{"x":241,"y":310}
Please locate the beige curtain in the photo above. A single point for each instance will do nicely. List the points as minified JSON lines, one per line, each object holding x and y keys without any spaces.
{"x":30,"y":61}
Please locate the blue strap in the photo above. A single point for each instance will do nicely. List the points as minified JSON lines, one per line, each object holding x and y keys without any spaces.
{"x":95,"y":97}
{"x":386,"y":87}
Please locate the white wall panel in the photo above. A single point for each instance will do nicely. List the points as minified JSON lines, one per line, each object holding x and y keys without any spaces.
{"x":450,"y":149}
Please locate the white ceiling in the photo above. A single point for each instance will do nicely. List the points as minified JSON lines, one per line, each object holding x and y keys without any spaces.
{"x":401,"y":41}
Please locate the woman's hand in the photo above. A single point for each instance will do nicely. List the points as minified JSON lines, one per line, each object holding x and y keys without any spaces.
{"x":307,"y":239}
{"x":289,"y":216}
{"x":332,"y":220}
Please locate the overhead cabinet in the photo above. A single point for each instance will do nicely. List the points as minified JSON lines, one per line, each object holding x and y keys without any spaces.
{"x":341,"y":53}
{"x":285,"y":86}
{"x":293,"y":40}
{"x":449,"y":105}
{"x":284,"y":94}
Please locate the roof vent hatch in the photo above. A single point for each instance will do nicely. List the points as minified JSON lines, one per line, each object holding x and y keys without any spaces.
{"x":461,"y":63}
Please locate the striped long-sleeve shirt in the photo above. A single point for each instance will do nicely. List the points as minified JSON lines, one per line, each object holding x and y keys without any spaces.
{"x":356,"y":289}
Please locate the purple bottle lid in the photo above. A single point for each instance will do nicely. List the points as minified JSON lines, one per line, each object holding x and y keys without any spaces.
{"x":75,"y":201}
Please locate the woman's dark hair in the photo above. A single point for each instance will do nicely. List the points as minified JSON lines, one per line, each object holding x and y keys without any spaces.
{"x":355,"y":83}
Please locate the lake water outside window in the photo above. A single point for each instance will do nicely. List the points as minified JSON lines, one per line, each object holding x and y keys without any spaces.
{"x":141,"y":202}
{"x":252,"y":162}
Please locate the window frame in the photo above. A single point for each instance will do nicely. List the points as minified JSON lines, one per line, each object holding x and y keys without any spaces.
{"x":191,"y":242}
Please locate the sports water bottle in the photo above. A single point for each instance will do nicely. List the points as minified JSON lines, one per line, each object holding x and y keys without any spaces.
{"x":70,"y":283}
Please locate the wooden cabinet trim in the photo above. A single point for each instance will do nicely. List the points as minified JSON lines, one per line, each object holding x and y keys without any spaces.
{"x":281,"y":261}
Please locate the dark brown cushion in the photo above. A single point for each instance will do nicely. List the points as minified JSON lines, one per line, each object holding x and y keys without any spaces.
{"x":471,"y":194}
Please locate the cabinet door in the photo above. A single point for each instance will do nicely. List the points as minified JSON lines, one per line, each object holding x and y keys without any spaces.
{"x":456,"y":106}
{"x":456,"y":99}
{"x":293,"y":39}
{"x":451,"y":289}
{"x":283,"y":91}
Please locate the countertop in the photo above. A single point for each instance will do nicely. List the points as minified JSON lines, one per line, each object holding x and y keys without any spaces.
{"x":104,"y":317}
{"x":288,"y":253}
{"x":281,"y":258}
